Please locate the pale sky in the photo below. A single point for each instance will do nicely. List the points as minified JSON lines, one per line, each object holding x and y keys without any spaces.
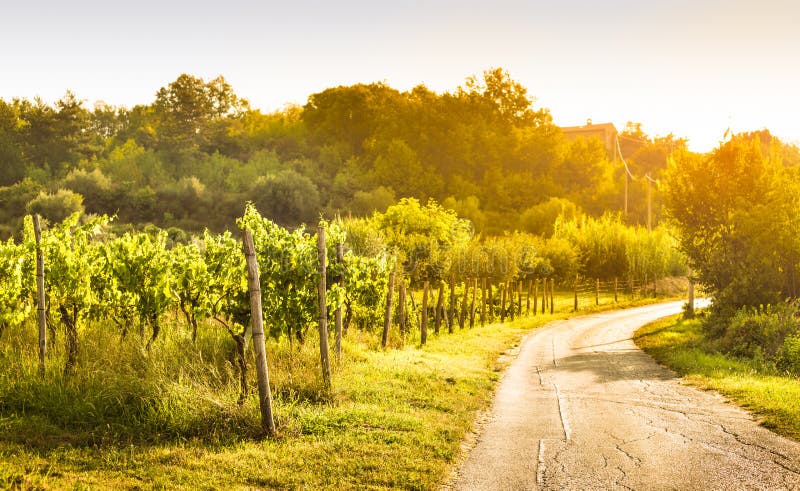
{"x":693,"y":68}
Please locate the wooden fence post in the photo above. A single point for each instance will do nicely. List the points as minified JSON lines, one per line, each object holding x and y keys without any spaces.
{"x":40,"y":295}
{"x":690,"y":305}
{"x":451,"y":316}
{"x":324,"y":352}
{"x":528,"y":298}
{"x":552,"y":289}
{"x":616,"y":289}
{"x":473,"y":305}
{"x":387,"y":319}
{"x":535,"y":296}
{"x":511,"y":285}
{"x":575,"y":289}
{"x":262,"y":371}
{"x":519,"y":298}
{"x":504,"y":287}
{"x":544,"y":295}
{"x":597,"y":292}
{"x":462,"y":316}
{"x":437,"y":313}
{"x":413,"y":302}
{"x":338,"y":314}
{"x":491,"y":301}
{"x":423,"y":325}
{"x":483,"y":301}
{"x":401,"y":307}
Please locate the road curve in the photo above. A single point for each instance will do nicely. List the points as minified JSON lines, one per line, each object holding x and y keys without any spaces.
{"x":582,"y":408}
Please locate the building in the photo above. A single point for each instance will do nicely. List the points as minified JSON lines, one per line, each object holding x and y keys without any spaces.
{"x":605,"y":132}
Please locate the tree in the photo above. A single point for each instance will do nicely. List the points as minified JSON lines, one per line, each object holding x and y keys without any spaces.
{"x":737,"y":212}
{"x":421,"y":234}
{"x":398,"y":167}
{"x":13,"y":168}
{"x":192,"y":114}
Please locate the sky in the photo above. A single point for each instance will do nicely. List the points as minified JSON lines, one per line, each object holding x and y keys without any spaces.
{"x":691,"y":68}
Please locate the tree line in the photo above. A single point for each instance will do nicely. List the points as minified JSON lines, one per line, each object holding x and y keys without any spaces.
{"x":189,"y":159}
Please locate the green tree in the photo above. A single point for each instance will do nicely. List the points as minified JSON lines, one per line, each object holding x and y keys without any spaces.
{"x":737,"y":212}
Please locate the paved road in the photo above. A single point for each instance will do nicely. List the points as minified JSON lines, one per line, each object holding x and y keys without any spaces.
{"x":583,"y":408}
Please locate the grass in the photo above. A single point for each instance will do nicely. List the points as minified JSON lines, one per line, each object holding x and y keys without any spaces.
{"x":682,"y":346}
{"x":131,"y":419}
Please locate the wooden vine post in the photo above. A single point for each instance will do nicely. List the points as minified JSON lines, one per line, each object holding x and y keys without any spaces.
{"x":464,"y":304}
{"x":387,"y":319}
{"x":40,"y":300}
{"x":338,"y":314}
{"x":483,"y":301}
{"x":473,"y":305}
{"x":401,"y":308}
{"x":511,"y":289}
{"x":324,"y":356}
{"x":528,"y":298}
{"x":544,"y":295}
{"x":437,"y":313}
{"x":256,"y":315}
{"x":423,"y":325}
{"x":491,"y":300}
{"x":597,"y":292}
{"x":575,"y":290}
{"x":451,"y":315}
{"x":512,"y":302}
{"x":503,"y":295}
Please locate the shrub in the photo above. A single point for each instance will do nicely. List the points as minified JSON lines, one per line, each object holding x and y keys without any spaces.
{"x":763,"y":331}
{"x":57,"y":206}
{"x":789,"y":356}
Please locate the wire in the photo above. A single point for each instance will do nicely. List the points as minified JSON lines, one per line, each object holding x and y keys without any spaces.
{"x":624,"y":163}
{"x":627,"y":169}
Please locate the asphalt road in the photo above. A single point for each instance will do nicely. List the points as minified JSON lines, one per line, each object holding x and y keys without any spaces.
{"x":582,"y":408}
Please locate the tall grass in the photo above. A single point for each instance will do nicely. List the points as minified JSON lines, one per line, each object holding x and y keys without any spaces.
{"x":176,"y":389}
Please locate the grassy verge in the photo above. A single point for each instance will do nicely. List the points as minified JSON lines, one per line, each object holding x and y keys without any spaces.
{"x":396,"y":418}
{"x":682,"y":346}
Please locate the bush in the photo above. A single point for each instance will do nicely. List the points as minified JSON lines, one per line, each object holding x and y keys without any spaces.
{"x":761,"y":332}
{"x":287,"y":198}
{"x":789,"y":356}
{"x":95,"y":188}
{"x":57,"y":206}
{"x":540,"y":219}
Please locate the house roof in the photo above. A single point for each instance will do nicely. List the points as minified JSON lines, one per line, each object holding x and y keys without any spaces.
{"x":590,"y":127}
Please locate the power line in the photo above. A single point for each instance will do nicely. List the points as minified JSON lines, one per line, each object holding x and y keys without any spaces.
{"x":624,"y":163}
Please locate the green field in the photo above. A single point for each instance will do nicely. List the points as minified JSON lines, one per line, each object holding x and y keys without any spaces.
{"x":682,"y":346}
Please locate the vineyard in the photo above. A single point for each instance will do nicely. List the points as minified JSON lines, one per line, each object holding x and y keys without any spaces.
{"x":146,"y":333}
